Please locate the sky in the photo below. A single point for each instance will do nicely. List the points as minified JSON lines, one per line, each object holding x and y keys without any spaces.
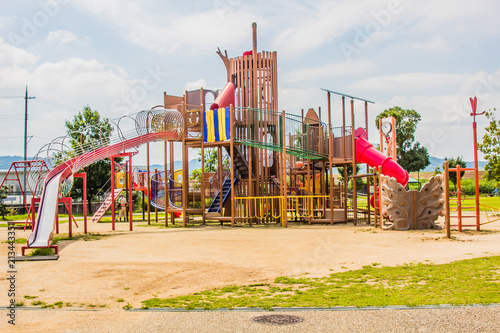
{"x":119,"y":57}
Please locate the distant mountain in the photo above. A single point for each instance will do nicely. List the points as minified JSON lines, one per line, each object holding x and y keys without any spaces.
{"x":193,"y":164}
{"x":6,"y":161}
{"x":438,"y":162}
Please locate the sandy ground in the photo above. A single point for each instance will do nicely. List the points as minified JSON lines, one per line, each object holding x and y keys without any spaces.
{"x":150,"y":262}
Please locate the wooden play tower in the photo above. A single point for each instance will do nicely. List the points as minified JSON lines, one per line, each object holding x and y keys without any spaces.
{"x":272,"y":166}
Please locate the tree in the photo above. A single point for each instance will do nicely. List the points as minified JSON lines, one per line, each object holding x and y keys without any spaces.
{"x":411,"y":156}
{"x":211,"y":164}
{"x":89,"y":130}
{"x":211,"y":158}
{"x":359,"y":181}
{"x":415,"y":159}
{"x":452,"y":163}
{"x":3,"y":195}
{"x":491,"y":147}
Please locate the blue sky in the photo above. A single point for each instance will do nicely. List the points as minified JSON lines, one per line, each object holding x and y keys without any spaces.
{"x":120,"y":56}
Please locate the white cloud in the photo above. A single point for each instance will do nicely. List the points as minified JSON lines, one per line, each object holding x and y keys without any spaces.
{"x":330,"y":70}
{"x":165,"y":34}
{"x":454,"y":17}
{"x":14,"y":56}
{"x":437,"y":44}
{"x":61,"y":36}
{"x":195,"y":84}
{"x":61,"y":89}
{"x":409,"y":82}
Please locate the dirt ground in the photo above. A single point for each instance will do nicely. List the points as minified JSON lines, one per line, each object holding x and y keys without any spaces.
{"x":151,"y":262}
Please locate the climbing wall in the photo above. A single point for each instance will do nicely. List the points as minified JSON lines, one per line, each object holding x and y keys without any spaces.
{"x":412,"y":209}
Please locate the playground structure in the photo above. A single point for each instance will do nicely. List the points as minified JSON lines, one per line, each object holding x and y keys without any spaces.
{"x":490,"y":213}
{"x":272,"y":166}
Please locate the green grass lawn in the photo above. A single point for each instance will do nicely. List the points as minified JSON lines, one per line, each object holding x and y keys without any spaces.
{"x":470,"y":201}
{"x":474,"y":281}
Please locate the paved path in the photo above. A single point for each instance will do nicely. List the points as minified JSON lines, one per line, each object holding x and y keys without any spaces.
{"x":460,"y":319}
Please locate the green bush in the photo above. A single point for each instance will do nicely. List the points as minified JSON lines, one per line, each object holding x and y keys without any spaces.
{"x":485,"y":187}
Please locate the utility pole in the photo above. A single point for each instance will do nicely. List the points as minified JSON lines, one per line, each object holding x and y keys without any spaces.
{"x":26,"y":98}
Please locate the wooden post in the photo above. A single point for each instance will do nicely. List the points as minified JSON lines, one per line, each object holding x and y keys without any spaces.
{"x":344,"y":143}
{"x":447,"y":198}
{"x":285,"y":188}
{"x":231,"y":142}
{"x":254,"y":66}
{"x":415,"y":210}
{"x":185,"y":169}
{"x":346,"y":199}
{"x":330,"y":156}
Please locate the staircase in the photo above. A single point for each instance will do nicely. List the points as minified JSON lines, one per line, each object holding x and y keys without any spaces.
{"x":215,"y":206}
{"x":240,"y":161}
{"x":103,"y":208}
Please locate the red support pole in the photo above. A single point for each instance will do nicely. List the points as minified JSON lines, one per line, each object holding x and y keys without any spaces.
{"x":85,"y":202}
{"x":130,"y":205}
{"x":33,"y":212}
{"x":70,"y":217}
{"x":473,"y":102}
{"x":112,"y":193}
{"x":83,"y":175}
{"x":459,"y":199}
{"x":57,"y":218}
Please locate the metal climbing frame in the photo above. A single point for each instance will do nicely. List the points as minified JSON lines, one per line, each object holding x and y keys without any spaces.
{"x":305,"y":138}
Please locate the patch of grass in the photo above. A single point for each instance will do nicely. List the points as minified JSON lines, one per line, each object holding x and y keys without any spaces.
{"x":120,"y":300}
{"x":473,"y":281}
{"x":37,"y":302}
{"x":161,"y":225}
{"x":126,"y":288}
{"x":86,"y":237}
{"x":19,"y":303}
{"x":128,"y":306}
{"x":18,"y":241}
{"x":30,"y":297}
{"x":42,"y":252}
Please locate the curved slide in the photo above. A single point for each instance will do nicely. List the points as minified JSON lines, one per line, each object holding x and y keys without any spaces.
{"x":366,"y":153}
{"x":225,"y":98}
{"x":44,"y":226}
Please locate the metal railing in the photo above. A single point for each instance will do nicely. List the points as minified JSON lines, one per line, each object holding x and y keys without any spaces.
{"x":300,"y":206}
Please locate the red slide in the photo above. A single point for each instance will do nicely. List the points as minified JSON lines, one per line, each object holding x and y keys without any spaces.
{"x":366,"y":153}
{"x":225,"y":98}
